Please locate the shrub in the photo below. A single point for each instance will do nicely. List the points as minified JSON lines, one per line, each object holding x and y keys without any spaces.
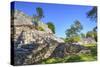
{"x":40,"y":29}
{"x":51,"y":26}
{"x":72,"y":39}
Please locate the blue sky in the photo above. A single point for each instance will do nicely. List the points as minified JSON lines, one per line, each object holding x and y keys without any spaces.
{"x":61,"y":15}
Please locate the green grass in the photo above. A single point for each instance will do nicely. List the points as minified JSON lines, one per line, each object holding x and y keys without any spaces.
{"x":85,"y":57}
{"x":52,"y":60}
{"x":93,"y":48}
{"x":73,"y":58}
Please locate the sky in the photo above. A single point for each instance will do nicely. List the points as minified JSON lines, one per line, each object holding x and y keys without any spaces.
{"x":61,"y":15}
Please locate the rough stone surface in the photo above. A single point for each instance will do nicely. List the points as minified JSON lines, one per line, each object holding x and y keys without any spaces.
{"x":31,"y":45}
{"x":21,"y":19}
{"x":88,"y":40}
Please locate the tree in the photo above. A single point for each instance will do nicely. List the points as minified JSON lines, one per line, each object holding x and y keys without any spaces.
{"x":39,"y":12}
{"x":74,"y":29}
{"x":37,"y":17}
{"x":95,"y":29}
{"x":95,"y":36}
{"x":51,"y":26}
{"x":72,"y":34}
{"x":92,"y":14}
{"x":92,"y":34}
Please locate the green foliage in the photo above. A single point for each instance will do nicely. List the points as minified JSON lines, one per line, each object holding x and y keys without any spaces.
{"x":93,"y":48}
{"x":87,"y":57}
{"x":37,"y":18}
{"x":39,"y":12}
{"x":52,"y":60}
{"x":74,"y":58}
{"x":92,"y":14}
{"x":94,"y":51}
{"x":95,"y":29}
{"x":93,"y":54}
{"x":74,"y":29}
{"x":95,"y":36}
{"x":92,"y":34}
{"x":51,"y":26}
{"x":40,"y":29}
{"x":67,"y":40}
{"x":72,"y":34}
{"x":73,"y":39}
